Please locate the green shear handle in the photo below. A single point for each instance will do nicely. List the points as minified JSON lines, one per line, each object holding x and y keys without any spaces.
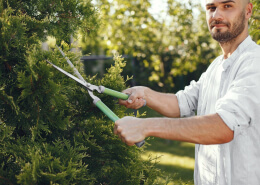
{"x":112,"y":116}
{"x":114,"y":93}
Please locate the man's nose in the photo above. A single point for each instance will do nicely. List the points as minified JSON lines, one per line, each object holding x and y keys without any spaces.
{"x":217,"y":14}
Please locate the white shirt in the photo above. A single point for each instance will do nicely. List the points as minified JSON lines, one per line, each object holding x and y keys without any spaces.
{"x":230,"y":88}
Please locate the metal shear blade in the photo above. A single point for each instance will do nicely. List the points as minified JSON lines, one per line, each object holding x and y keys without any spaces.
{"x":89,"y":86}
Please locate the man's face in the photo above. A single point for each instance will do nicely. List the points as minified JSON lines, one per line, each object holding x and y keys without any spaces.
{"x":226,"y":19}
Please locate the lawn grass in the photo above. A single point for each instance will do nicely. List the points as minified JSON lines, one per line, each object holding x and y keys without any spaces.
{"x":175,"y":159}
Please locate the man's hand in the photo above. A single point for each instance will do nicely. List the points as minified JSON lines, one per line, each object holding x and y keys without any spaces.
{"x":163,"y":103}
{"x":136,"y":98}
{"x":130,"y":130}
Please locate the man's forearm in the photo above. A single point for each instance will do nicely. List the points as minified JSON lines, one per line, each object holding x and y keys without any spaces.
{"x":208,"y":129}
{"x":165,"y":104}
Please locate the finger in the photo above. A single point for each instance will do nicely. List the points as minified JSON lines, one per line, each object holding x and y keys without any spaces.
{"x":129,"y":142}
{"x":126,"y":102}
{"x":141,"y":102}
{"x":122,"y":137}
{"x":132,"y":97}
{"x":119,"y":134}
{"x":137,"y":104}
{"x":122,"y":102}
{"x":116,"y":127}
{"x":127,"y":91}
{"x":116,"y":123}
{"x":118,"y":131}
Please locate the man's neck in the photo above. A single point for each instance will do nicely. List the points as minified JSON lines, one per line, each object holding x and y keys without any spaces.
{"x":229,"y":47}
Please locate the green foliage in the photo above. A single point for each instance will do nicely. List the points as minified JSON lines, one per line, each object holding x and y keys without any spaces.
{"x":255,"y":22}
{"x":164,"y":50}
{"x":57,"y":18}
{"x":50,"y":131}
{"x":168,"y":52}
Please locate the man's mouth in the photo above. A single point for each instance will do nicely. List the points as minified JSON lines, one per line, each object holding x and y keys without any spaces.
{"x":217,"y":24}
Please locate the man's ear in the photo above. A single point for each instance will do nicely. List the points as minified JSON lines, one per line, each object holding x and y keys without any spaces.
{"x":249,"y":10}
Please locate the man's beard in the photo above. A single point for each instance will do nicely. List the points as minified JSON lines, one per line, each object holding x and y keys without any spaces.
{"x":229,"y":35}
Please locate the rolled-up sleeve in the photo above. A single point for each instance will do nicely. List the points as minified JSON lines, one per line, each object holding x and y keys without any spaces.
{"x":241,"y":103}
{"x":188,"y":98}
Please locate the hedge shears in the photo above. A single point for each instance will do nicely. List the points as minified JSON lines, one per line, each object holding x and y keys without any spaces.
{"x":100,"y":89}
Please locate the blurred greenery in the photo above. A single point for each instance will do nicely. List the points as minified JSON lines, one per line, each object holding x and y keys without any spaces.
{"x":166,"y":53}
{"x":255,"y":22}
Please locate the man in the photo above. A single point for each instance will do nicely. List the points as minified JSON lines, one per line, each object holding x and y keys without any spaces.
{"x":226,"y":98}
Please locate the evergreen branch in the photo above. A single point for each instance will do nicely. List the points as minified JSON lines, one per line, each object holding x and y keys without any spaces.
{"x":8,"y":100}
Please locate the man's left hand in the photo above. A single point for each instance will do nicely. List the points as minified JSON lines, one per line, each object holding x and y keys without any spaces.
{"x":130,"y":130}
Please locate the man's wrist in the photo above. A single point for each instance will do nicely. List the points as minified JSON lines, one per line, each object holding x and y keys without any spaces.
{"x":151,"y":126}
{"x":146,"y":94}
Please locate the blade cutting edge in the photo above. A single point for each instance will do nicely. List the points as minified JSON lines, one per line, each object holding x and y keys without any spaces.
{"x":70,"y":75}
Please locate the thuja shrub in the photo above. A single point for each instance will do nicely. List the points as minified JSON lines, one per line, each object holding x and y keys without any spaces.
{"x":50,"y":131}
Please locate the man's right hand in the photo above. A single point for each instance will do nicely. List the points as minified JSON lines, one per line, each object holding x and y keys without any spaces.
{"x":164,"y":103}
{"x":136,"y":98}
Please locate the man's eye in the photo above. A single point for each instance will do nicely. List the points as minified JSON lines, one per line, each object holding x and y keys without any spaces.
{"x":211,"y":8}
{"x":227,"y":6}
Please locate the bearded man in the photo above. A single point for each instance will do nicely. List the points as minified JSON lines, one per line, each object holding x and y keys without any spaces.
{"x":226,"y":98}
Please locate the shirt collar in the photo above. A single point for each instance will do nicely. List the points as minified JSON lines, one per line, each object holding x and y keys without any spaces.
{"x":241,"y":48}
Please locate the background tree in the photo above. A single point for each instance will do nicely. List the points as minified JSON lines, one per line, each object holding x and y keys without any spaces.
{"x":255,"y":22}
{"x":50,"y":133}
{"x":166,"y":50}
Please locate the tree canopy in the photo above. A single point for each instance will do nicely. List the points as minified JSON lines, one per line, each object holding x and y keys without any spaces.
{"x":165,"y":50}
{"x":168,"y":52}
{"x":255,"y":22}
